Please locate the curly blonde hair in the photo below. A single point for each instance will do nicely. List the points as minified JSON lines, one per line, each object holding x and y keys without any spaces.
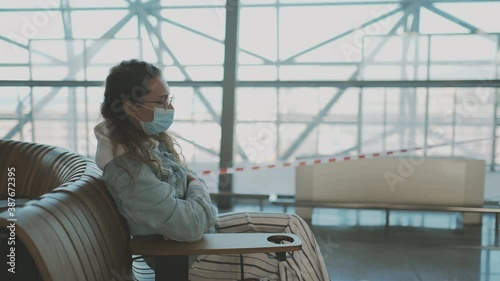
{"x":127,"y":81}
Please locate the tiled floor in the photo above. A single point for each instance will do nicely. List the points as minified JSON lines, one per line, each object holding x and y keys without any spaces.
{"x":418,"y":246}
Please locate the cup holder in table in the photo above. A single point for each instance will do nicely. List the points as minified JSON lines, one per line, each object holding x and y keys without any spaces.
{"x":279,"y":239}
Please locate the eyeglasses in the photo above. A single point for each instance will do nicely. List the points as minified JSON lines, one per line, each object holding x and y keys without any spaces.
{"x":166,"y":101}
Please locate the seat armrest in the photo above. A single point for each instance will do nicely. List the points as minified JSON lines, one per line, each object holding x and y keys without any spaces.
{"x":220,"y":243}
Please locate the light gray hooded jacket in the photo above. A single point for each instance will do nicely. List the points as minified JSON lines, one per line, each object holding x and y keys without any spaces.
{"x":152,"y":203}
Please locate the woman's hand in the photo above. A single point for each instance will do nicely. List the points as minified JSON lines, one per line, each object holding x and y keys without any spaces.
{"x":190,"y":178}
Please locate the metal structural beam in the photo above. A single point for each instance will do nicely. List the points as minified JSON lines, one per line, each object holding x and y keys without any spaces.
{"x":22,"y":46}
{"x":141,"y":18}
{"x":95,"y":83}
{"x":72,"y":114}
{"x":473,"y":29}
{"x":204,"y":35}
{"x":193,"y":143}
{"x":343,"y":34}
{"x":183,"y":7}
{"x":360,"y":3}
{"x":406,"y":95}
{"x":324,"y":111}
{"x":353,"y":63}
{"x":496,"y":119}
{"x":164,"y":47}
{"x":229,"y":99}
{"x":47,"y":9}
{"x":197,"y":91}
{"x":278,"y":84}
{"x":412,"y":97}
{"x":91,"y":51}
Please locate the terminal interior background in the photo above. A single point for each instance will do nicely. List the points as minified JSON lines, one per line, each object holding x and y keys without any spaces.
{"x":314,"y":80}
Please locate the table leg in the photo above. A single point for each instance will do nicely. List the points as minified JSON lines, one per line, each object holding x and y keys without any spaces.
{"x":174,"y":268}
{"x":387,"y":218}
{"x":496,"y":228}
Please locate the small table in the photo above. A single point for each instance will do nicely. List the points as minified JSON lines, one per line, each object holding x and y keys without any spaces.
{"x":172,"y":258}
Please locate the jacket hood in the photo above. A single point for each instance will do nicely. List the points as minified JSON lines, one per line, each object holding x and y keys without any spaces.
{"x":104,"y":152}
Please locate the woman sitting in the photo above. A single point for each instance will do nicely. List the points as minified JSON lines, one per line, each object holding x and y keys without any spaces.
{"x":157,"y":194}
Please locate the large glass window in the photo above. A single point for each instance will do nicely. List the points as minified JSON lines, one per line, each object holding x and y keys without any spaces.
{"x":290,"y":55}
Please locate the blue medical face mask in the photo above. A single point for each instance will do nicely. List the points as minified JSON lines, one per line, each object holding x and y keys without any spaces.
{"x":162,"y":119}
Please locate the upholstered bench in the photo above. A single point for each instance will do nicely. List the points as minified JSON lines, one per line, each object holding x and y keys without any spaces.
{"x":70,"y":228}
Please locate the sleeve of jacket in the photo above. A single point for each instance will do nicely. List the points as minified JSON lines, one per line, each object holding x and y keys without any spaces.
{"x":151,"y":202}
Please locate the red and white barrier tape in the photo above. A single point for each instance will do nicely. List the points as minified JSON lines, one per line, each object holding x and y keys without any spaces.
{"x":231,"y":170}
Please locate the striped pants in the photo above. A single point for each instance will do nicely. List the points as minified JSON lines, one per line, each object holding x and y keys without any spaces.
{"x":304,"y":265}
